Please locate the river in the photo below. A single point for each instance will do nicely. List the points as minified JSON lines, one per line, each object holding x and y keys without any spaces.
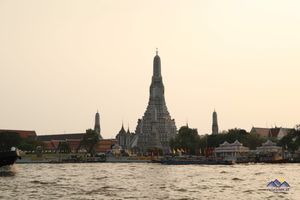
{"x":147,"y":181}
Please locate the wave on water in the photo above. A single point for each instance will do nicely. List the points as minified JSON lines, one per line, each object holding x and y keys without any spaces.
{"x":259,"y":173}
{"x":237,"y":179}
{"x":43,"y":182}
{"x":8,"y":171}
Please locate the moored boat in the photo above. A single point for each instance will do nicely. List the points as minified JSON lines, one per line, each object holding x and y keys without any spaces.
{"x":9,"y":157}
{"x":193,"y":161}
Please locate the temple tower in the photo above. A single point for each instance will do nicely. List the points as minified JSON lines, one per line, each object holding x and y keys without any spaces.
{"x":97,"y":124}
{"x":215,"y":127}
{"x":156,"y":127}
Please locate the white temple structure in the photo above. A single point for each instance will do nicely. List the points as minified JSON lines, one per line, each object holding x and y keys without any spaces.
{"x":269,"y":151}
{"x":231,"y":151}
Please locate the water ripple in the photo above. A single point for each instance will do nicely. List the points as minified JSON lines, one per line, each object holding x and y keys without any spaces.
{"x":146,"y":181}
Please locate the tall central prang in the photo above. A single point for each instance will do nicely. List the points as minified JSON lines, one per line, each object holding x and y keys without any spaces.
{"x":156,"y":127}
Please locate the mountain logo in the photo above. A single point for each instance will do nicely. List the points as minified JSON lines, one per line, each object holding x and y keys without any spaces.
{"x":278,"y":186}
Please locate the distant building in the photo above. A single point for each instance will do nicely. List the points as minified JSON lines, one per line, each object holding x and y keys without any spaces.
{"x":51,"y":142}
{"x":276,"y":133}
{"x":269,"y":151}
{"x":215,"y":127}
{"x":232,"y":151}
{"x":155,"y":129}
{"x":262,"y":132}
{"x":97,"y":124}
{"x":125,"y":138}
{"x":24,"y":134}
{"x":105,"y":145}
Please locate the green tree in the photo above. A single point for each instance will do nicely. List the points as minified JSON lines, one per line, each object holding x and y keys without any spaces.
{"x":9,"y":139}
{"x":29,"y":144}
{"x":63,"y":147}
{"x":90,"y":140}
{"x":252,"y":141}
{"x":291,"y":141}
{"x":187,"y":139}
{"x":249,"y":140}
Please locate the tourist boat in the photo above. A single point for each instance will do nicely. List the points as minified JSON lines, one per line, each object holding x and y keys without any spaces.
{"x":9,"y":157}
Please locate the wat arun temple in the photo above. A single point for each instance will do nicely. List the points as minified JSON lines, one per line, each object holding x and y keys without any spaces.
{"x":156,"y":127}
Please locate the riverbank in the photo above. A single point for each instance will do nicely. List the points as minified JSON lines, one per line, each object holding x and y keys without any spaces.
{"x":59,"y":158}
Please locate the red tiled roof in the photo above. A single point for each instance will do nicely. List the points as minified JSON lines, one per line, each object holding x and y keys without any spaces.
{"x":263,"y":132}
{"x":61,"y":137}
{"x":49,"y":145}
{"x":74,"y":144}
{"x":105,"y":145}
{"x":22,"y":133}
{"x":274,"y":132}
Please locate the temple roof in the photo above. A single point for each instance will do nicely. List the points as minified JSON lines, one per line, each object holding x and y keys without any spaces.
{"x":21,"y":133}
{"x":224,"y":143}
{"x":237,"y":143}
{"x":122,"y":131}
{"x":269,"y":143}
{"x":60,"y":137}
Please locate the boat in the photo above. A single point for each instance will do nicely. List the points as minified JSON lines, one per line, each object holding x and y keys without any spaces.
{"x":184,"y":160}
{"x":9,"y":157}
{"x":74,"y":158}
{"x":99,"y":157}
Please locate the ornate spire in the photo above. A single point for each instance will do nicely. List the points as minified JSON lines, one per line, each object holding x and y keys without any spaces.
{"x":187,"y":122}
{"x":122,"y":129}
{"x":156,"y":65}
{"x":157,"y":86}
{"x":156,"y":127}
{"x":215,"y":127}
{"x":128,"y":131}
{"x":97,"y":127}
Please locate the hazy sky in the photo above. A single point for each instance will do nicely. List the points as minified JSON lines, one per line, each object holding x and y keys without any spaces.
{"x":60,"y":61}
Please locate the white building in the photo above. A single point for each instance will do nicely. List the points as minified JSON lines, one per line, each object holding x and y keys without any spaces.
{"x":269,"y":151}
{"x":231,"y":151}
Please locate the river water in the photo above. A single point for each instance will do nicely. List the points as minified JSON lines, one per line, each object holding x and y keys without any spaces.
{"x":147,"y":181}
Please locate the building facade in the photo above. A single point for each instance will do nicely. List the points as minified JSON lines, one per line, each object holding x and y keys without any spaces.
{"x":269,"y":151}
{"x":155,"y":129}
{"x":231,"y":151}
{"x":24,"y":134}
{"x":125,"y":139}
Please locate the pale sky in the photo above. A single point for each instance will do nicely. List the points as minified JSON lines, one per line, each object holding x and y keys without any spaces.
{"x":60,"y":61}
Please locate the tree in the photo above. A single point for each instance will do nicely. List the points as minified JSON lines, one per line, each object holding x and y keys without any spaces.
{"x":252,"y":141}
{"x":291,"y":141}
{"x":186,"y":139}
{"x":90,"y":140}
{"x":63,"y":147}
{"x":9,"y":139}
{"x":30,"y":144}
{"x":249,"y":140}
{"x":297,"y":127}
